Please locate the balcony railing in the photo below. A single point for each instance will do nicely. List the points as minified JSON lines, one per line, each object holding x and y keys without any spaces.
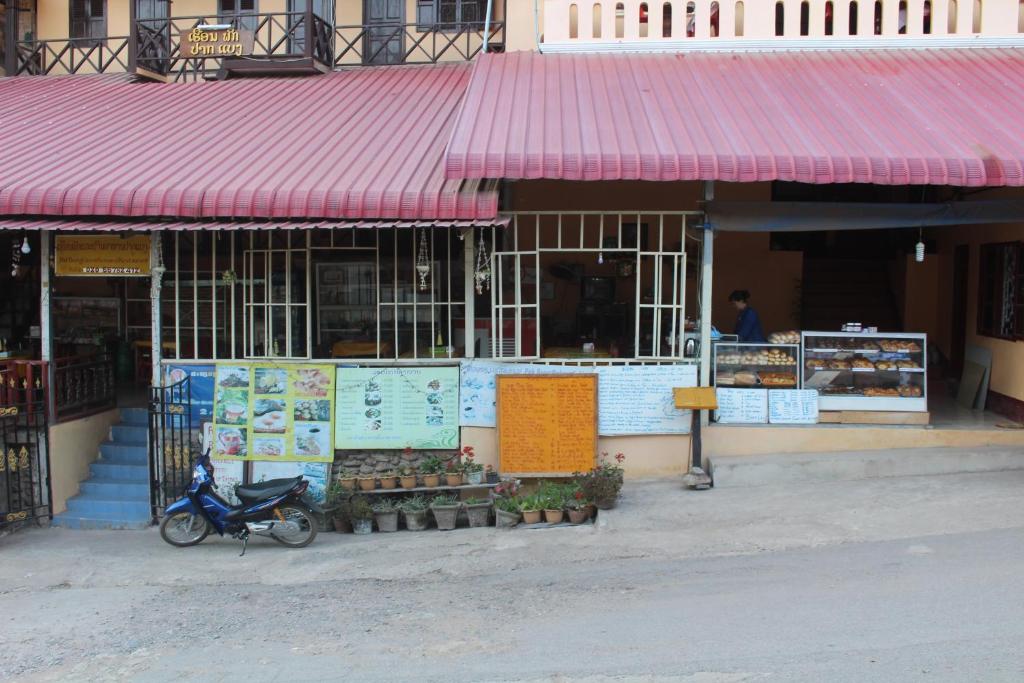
{"x":69,"y":56}
{"x":588,"y":25}
{"x":297,"y":40}
{"x":415,"y":44}
{"x":83,"y":385}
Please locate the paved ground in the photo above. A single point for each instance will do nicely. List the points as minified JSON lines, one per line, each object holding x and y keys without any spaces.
{"x":885,"y":580}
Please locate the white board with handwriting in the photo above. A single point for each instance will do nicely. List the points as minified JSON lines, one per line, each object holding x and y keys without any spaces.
{"x":792,"y":406}
{"x":742,"y":406}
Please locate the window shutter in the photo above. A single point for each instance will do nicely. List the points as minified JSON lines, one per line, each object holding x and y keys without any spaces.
{"x":425,"y":15}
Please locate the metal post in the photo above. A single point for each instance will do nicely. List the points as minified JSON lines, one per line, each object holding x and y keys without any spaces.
{"x":469,"y":285}
{"x":45,"y":324}
{"x":133,"y":33}
{"x":706,"y":274}
{"x":156,"y":269}
{"x":10,"y":38}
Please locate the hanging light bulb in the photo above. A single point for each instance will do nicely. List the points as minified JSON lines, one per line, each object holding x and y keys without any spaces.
{"x":600,"y":258}
{"x":25,"y":248}
{"x":919,"y":248}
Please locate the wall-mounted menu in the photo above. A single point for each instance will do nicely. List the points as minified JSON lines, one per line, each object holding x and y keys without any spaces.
{"x":274,"y":412}
{"x":397,"y":407}
{"x":547,"y":424}
{"x":792,"y":406}
{"x":742,"y":406}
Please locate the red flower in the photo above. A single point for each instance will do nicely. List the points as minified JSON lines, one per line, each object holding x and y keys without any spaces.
{"x":619,"y":457}
{"x":579,"y":495}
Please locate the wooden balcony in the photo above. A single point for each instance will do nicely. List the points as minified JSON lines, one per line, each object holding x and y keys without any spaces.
{"x":679,"y":25}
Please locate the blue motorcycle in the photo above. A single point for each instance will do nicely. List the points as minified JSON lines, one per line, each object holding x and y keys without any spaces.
{"x":279,"y":508}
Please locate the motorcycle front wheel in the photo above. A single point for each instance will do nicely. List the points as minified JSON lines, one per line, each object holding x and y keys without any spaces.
{"x":301,"y":527}
{"x":183,"y":529}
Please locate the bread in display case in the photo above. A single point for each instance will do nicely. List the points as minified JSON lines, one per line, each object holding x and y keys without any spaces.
{"x":756,"y":366}
{"x":866,"y":371}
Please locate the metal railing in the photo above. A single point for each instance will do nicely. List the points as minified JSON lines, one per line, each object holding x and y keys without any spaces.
{"x":83,"y":385}
{"x":69,"y":56}
{"x":23,"y":383}
{"x":415,"y":43}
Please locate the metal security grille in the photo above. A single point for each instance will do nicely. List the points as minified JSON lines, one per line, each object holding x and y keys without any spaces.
{"x":24,"y":464}
{"x":172,"y":444}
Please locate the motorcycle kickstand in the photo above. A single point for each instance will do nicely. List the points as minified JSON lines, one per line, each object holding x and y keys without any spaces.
{"x":245,"y":543}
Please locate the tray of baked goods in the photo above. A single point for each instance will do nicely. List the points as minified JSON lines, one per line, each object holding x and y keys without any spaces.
{"x":901,"y":391}
{"x":863,"y":365}
{"x":750,"y":379}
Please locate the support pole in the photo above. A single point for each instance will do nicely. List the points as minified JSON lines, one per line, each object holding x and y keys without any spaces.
{"x":697,"y":476}
{"x":156,"y":269}
{"x":10,"y":38}
{"x":46,"y":324}
{"x":469,"y":283}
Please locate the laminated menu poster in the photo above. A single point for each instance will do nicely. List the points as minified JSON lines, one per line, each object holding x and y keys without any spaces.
{"x":793,"y":406}
{"x":313,"y":472}
{"x":273,"y":412}
{"x":397,"y":407}
{"x":633,"y":399}
{"x":742,"y":406}
{"x":547,"y":424}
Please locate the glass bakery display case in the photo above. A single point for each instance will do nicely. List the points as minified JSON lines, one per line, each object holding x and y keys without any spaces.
{"x":756,"y":366}
{"x":866,"y":371}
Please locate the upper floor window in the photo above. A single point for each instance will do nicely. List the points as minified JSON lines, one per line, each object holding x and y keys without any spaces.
{"x":1001,"y":290}
{"x":241,"y":13}
{"x":451,"y":14}
{"x":88,"y":21}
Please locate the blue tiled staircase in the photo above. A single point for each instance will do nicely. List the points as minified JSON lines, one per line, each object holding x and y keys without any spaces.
{"x":116,"y":495}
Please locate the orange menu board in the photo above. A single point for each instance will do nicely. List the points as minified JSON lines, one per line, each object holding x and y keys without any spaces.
{"x":547,"y":424}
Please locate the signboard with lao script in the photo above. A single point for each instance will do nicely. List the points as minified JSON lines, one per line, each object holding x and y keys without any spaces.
{"x":792,"y":406}
{"x":547,"y":424}
{"x":742,"y":406}
{"x":101,"y":255}
{"x":633,"y":399}
{"x":212,"y":42}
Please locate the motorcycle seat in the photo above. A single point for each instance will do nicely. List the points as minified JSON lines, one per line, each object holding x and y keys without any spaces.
{"x":265,"y":489}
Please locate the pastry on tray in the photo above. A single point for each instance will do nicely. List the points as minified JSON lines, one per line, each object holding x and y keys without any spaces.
{"x":862,"y":364}
{"x":838,"y":365}
{"x":745,"y":379}
{"x":885,"y":365}
{"x":778,"y":379}
{"x":907,"y":365}
{"x":881,"y":392}
{"x":911,"y":391}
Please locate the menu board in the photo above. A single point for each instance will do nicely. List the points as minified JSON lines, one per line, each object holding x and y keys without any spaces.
{"x":273,"y":412}
{"x":397,"y":408}
{"x":742,"y":406}
{"x":547,"y":424}
{"x":633,"y":399}
{"x":316,"y":473}
{"x":792,"y":406}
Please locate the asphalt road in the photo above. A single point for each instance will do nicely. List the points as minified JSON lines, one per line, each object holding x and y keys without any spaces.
{"x":906,"y":601}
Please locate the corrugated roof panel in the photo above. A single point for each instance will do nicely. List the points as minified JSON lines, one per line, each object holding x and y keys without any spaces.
{"x":365,"y":143}
{"x":891,"y":117}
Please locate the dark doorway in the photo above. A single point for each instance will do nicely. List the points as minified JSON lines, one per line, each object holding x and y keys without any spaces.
{"x":958,"y":319}
{"x":385,"y":31}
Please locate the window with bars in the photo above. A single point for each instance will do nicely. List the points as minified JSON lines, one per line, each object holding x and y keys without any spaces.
{"x":450,"y":15}
{"x":88,"y":21}
{"x":1001,"y":290}
{"x":241,"y":13}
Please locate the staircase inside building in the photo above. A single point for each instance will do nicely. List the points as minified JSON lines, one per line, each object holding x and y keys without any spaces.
{"x":841,"y":290}
{"x":116,"y":495}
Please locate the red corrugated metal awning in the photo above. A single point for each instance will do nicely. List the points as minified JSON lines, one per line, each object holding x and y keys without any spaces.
{"x":34,"y":224}
{"x":361,"y":144}
{"x":897,"y":117}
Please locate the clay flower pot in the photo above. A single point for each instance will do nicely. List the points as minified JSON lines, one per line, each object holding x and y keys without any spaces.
{"x":578,"y":516}
{"x":532,"y":516}
{"x":388,"y":482}
{"x":505,"y":520}
{"x":348,"y":483}
{"x":367,"y":483}
{"x":431,"y":480}
{"x":446,"y":516}
{"x":454,"y":478}
{"x":415,"y":521}
{"x":386,"y":521}
{"x":342,"y":526}
{"x":553,"y":516}
{"x":408,"y":481}
{"x":479,"y":514}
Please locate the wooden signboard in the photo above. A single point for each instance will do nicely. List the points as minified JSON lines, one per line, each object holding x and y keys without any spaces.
{"x":215,"y":41}
{"x":547,"y":424}
{"x":101,"y":255}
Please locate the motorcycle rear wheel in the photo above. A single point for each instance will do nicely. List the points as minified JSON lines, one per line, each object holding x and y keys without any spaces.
{"x":184,"y":529}
{"x":306,"y":523}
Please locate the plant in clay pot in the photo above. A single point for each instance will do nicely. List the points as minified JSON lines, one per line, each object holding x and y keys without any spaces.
{"x":492,"y":476}
{"x":446,"y":511}
{"x":453,"y":475}
{"x":407,"y":476}
{"x":531,"y":507}
{"x":385,"y":513}
{"x":471,"y":470}
{"x":506,"y":512}
{"x":577,"y":506}
{"x":602,"y":484}
{"x":348,"y":482}
{"x":336,"y":506}
{"x":414,"y":510}
{"x":367,"y":483}
{"x":478,"y":510}
{"x":388,"y":480}
{"x":431,"y":469}
{"x":361,"y":514}
{"x":552,"y":499}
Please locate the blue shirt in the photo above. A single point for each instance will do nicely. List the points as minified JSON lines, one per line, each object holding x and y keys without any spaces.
{"x":748,"y":326}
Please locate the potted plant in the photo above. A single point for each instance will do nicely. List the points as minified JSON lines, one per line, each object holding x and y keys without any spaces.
{"x":453,"y":475}
{"x":478,"y":510}
{"x":531,"y":508}
{"x":414,"y":509}
{"x":553,"y":501}
{"x":407,"y":477}
{"x":385,"y":513}
{"x":446,"y":511}
{"x":472,"y":471}
{"x":577,"y":505}
{"x":361,"y":514}
{"x":388,"y":480}
{"x":506,"y":512}
{"x":492,"y":476}
{"x":603,"y":484}
{"x":348,"y":482}
{"x":431,"y":469}
{"x":367,"y":483}
{"x":335,"y":506}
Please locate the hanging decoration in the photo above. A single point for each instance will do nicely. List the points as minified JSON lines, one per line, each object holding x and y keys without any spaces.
{"x":16,"y":252}
{"x":423,"y":261}
{"x":919,"y":247}
{"x":482,"y":272}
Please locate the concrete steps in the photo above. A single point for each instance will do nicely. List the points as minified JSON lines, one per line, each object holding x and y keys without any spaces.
{"x":116,"y":496}
{"x":781,"y":469}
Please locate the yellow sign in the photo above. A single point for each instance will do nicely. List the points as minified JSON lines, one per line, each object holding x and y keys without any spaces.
{"x":209,"y":43}
{"x":547,"y":424}
{"x":102,"y":255}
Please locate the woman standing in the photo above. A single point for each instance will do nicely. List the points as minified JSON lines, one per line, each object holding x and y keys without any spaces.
{"x":748,"y":324}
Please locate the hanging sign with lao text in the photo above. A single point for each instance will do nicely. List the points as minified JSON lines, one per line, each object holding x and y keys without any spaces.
{"x":213,"y":42}
{"x":547,"y":424}
{"x":101,"y":255}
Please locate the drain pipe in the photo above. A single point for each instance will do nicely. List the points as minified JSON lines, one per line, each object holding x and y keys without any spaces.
{"x":536,"y":25}
{"x":487,"y":24}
